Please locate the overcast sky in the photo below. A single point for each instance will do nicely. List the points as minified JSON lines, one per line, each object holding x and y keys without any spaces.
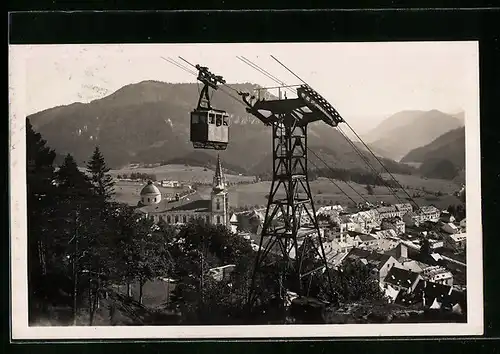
{"x":360,"y":79}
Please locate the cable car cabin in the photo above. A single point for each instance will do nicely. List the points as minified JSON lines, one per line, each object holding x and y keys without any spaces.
{"x":209,"y":129}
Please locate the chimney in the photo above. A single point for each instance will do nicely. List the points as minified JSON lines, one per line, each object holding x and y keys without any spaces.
{"x":403,"y":251}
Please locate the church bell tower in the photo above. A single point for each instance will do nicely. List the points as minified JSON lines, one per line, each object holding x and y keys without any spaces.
{"x":219,"y":197}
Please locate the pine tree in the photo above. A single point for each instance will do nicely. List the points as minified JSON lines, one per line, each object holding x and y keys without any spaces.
{"x":40,"y":193}
{"x":101,"y":179}
{"x":71,"y":180}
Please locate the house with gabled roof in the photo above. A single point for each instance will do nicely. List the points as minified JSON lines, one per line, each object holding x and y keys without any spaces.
{"x":388,"y":211}
{"x":456,"y":241}
{"x":362,"y":239}
{"x":434,"y":295}
{"x":438,"y":274}
{"x":402,"y":279}
{"x":446,"y":217}
{"x":395,"y":224}
{"x":403,"y":208}
{"x":378,"y":263}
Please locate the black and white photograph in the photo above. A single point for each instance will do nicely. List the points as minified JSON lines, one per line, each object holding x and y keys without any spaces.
{"x":245,"y":190}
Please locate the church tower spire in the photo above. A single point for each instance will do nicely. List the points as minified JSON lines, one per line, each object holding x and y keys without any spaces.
{"x":219,"y":183}
{"x":220,"y":203}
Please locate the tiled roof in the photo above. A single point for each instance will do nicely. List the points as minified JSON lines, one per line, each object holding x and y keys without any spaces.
{"x":435,"y":270}
{"x":373,"y":258}
{"x":403,"y":206}
{"x":390,"y":233}
{"x":366,"y":237}
{"x":458,"y":237}
{"x":429,"y":209}
{"x":432,"y":290}
{"x":386,"y":209}
{"x":345,"y":218}
{"x":193,"y":202}
{"x":393,"y":220}
{"x":401,"y":277}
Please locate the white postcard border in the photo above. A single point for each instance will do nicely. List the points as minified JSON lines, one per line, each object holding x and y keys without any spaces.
{"x":19,"y":291}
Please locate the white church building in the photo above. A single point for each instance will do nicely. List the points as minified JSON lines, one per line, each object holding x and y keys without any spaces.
{"x":213,"y":210}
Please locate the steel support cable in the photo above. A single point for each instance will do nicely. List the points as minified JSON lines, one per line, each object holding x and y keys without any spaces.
{"x":367,"y":162}
{"x":383,"y":166}
{"x":331,"y":170}
{"x":173,"y":62}
{"x":334,"y":183}
{"x":290,"y":71}
{"x":266,"y":73}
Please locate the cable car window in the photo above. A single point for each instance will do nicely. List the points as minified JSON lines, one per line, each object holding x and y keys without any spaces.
{"x":195,"y":118}
{"x":211,"y":118}
{"x":203,"y":118}
{"x":225,"y":120}
{"x":218,"y":120}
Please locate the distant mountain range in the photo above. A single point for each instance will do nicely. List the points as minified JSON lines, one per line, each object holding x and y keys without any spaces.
{"x":444,"y":157}
{"x":450,"y":146}
{"x":148,"y":122}
{"x":404,"y":131}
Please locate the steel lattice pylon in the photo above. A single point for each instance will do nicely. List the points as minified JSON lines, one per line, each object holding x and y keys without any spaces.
{"x":290,"y":229}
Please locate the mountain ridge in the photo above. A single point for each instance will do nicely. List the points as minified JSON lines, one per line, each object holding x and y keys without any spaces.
{"x":450,"y":146}
{"x":406,"y":130}
{"x":148,"y":122}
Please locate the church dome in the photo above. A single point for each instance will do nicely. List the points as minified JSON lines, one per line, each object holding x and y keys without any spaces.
{"x":150,"y":194}
{"x":150,"y":188}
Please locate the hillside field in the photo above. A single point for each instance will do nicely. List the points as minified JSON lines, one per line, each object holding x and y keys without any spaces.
{"x":187,"y":174}
{"x":325,"y":192}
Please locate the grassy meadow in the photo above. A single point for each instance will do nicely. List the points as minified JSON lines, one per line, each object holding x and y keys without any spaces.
{"x":187,"y":174}
{"x":324,"y":191}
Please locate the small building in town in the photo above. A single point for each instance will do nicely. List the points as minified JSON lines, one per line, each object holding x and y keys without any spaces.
{"x":170,"y":184}
{"x":247,"y":221}
{"x":388,"y":211}
{"x":379,"y":264}
{"x":363,"y":240}
{"x":402,"y":279}
{"x":403,"y":208}
{"x":446,"y":217}
{"x":450,"y":228}
{"x":463,"y":223}
{"x":221,"y":273}
{"x":440,"y":297}
{"x":395,"y":224}
{"x":430,"y":213}
{"x":456,"y":241}
{"x":400,"y":252}
{"x":414,"y":265}
{"x":438,"y":275}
